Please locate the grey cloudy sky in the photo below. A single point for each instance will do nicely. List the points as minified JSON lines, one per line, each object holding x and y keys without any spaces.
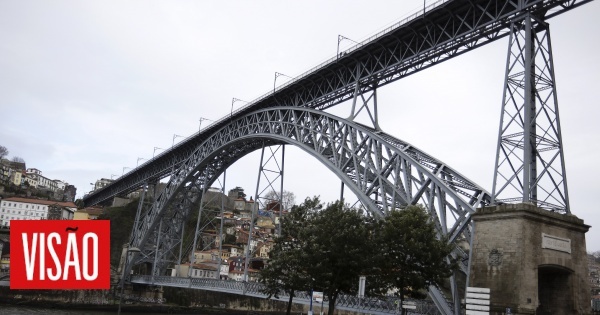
{"x":88,"y":87}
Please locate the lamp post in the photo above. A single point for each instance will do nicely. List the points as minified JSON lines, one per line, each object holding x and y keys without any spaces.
{"x":340,"y":39}
{"x":277,"y":75}
{"x":138,"y":161}
{"x":201,"y":120}
{"x":112,"y":175}
{"x":129,"y":250}
{"x":124,"y":168}
{"x":174,"y":137}
{"x":233,"y":100}
{"x":156,"y":148}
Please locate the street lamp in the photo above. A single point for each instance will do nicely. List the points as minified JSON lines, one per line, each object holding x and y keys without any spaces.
{"x":340,"y":39}
{"x":233,"y":100}
{"x":174,"y":137}
{"x":156,"y":148}
{"x":138,"y":161}
{"x":112,"y":175}
{"x":201,"y":120}
{"x":129,"y":250}
{"x":277,"y":75}
{"x":124,"y":168}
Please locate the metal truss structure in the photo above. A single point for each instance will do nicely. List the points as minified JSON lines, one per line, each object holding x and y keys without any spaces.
{"x":448,"y":28}
{"x":270,"y":171}
{"x":384,"y":172}
{"x":530,"y":160}
{"x":209,"y":227}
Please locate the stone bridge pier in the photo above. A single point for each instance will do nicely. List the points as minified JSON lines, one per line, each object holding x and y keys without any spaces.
{"x":534,"y":261}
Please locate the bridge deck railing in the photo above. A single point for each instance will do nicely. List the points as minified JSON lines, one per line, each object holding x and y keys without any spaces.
{"x":371,"y":305}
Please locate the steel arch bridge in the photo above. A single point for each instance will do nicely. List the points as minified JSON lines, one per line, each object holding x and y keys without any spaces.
{"x":384,"y":172}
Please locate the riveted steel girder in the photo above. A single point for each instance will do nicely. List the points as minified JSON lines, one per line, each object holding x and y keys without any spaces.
{"x":448,"y":29}
{"x":384,"y":172}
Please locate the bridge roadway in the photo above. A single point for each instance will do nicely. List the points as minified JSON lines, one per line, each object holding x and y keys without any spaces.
{"x":446,"y":29}
{"x":383,"y":306}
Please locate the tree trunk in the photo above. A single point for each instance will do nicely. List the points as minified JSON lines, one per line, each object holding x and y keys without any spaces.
{"x":402,"y":310}
{"x":289,"y":306}
{"x":332,"y":300}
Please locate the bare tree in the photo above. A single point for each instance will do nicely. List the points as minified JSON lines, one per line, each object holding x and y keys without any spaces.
{"x":288,"y":200}
{"x":18,"y":159}
{"x":3,"y":152}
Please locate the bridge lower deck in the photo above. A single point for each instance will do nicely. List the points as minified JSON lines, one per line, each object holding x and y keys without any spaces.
{"x":368,"y":305}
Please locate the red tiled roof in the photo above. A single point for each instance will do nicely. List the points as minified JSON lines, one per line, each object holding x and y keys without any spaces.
{"x":68,"y":204}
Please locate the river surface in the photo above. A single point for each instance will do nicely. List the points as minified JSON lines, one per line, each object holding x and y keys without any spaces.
{"x":27,"y":310}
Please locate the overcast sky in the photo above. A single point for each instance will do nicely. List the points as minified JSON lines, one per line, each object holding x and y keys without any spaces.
{"x":88,"y":87}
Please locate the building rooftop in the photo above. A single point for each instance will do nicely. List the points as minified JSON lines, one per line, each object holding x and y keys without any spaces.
{"x":68,"y":204}
{"x":92,"y":210}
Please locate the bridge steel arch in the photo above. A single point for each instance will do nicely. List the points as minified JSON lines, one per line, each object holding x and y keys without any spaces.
{"x":384,"y":173}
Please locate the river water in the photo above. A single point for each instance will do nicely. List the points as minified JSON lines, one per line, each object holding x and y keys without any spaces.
{"x":27,"y":310}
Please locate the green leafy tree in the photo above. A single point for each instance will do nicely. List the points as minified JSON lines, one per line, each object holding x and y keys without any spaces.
{"x":411,"y":256}
{"x":229,"y":239}
{"x":79,"y":204}
{"x":321,"y":249}
{"x":237,"y":192}
{"x":339,"y":249}
{"x":287,"y":269}
{"x":121,"y":224}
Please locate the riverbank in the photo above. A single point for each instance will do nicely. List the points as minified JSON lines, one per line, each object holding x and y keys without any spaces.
{"x":128,"y":308}
{"x":161,"y":300}
{"x":179,"y":301}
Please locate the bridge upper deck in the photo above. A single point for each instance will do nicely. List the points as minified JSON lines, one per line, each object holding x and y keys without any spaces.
{"x":444,"y":30}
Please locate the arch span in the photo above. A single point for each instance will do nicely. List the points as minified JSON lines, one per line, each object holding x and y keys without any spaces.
{"x":384,"y":172}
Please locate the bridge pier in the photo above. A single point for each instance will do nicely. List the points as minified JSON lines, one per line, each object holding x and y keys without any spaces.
{"x":534,"y":261}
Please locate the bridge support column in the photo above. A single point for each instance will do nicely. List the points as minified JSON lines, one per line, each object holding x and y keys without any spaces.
{"x":368,"y":103}
{"x":534,"y":261}
{"x":530,"y":160}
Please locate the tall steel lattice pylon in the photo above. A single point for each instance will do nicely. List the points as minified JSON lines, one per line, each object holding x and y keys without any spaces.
{"x":530,"y":163}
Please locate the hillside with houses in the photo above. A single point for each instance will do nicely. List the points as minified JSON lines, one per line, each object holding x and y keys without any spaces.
{"x":215,"y":254}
